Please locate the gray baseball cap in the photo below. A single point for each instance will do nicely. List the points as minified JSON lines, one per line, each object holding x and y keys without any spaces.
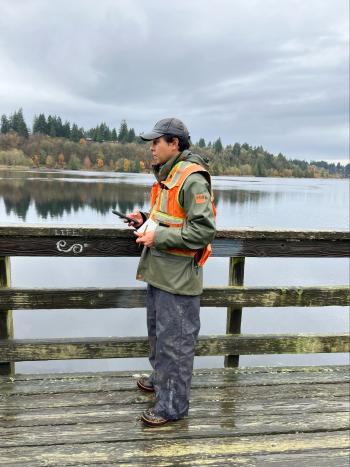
{"x":167,"y":126}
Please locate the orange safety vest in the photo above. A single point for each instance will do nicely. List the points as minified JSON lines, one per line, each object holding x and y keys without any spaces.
{"x":166,"y":209}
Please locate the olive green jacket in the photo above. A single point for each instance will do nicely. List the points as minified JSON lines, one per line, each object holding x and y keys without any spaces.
{"x":180,"y":274}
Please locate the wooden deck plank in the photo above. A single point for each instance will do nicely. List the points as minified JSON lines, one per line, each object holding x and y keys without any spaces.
{"x":209,"y":427}
{"x":220,"y":380}
{"x":321,"y":458}
{"x":218,"y":407}
{"x":190,"y":451}
{"x":246,"y":416}
{"x":196,"y":372}
{"x":245,"y":397}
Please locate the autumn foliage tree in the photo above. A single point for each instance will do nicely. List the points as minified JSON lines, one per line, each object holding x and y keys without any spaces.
{"x":50,"y":161}
{"x":35,"y":159}
{"x":61,"y":161}
{"x":126,"y":165}
{"x":87,"y":163}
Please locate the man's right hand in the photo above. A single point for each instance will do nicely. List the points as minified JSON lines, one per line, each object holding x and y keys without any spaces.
{"x":138,"y":219}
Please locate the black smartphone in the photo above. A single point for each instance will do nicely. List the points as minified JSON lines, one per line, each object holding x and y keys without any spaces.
{"x":124,"y":216}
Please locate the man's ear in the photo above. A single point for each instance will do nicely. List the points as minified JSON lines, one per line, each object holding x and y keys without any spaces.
{"x":176,"y":139}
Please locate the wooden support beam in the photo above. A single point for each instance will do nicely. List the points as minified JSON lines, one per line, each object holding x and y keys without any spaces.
{"x":129,"y":347}
{"x":6,"y":319}
{"x":234,"y":313}
{"x":135,"y":297}
{"x":78,"y":241}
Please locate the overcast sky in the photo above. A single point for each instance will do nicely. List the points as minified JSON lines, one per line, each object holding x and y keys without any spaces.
{"x":267,"y":72}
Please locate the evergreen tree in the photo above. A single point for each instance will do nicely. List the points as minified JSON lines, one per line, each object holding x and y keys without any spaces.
{"x":51,"y":126}
{"x":75,"y":134}
{"x":114,"y":135}
{"x":347,"y":170}
{"x":5,"y":124}
{"x":201,"y":143}
{"x":259,"y":168}
{"x":217,"y":146}
{"x":81,"y":132}
{"x":98,"y":134}
{"x":35,"y":124}
{"x":23,"y":129}
{"x":236,"y":149}
{"x":105,"y":132}
{"x":131,"y":135}
{"x":18,"y":124}
{"x":123,"y":132}
{"x":59,"y":127}
{"x":39,"y":124}
{"x":91,"y":134}
{"x":66,"y":130}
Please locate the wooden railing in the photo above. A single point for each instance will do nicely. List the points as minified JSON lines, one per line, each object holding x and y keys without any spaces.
{"x":78,"y":241}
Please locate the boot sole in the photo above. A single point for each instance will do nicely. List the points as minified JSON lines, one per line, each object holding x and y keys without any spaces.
{"x":149,"y":423}
{"x":144,"y":388}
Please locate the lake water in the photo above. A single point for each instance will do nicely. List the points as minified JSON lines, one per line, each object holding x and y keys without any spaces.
{"x":72,"y":197}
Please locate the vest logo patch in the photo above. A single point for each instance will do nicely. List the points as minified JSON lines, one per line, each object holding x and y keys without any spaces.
{"x":200,"y":198}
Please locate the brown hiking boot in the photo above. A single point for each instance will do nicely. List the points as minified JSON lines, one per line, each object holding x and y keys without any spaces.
{"x":144,"y":384}
{"x":150,"y":418}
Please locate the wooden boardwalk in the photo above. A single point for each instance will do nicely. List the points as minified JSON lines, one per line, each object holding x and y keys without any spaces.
{"x":246,"y":416}
{"x":238,"y":416}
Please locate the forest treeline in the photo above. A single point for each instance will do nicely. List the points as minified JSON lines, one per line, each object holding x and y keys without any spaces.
{"x":52,"y":143}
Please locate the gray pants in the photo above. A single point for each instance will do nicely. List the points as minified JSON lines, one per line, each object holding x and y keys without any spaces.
{"x":173,"y":324}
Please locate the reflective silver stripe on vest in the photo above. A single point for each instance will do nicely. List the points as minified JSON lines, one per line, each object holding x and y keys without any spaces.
{"x":166,"y":218}
{"x":178,"y":169}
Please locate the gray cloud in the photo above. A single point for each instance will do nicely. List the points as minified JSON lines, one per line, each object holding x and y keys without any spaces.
{"x":258,"y":71}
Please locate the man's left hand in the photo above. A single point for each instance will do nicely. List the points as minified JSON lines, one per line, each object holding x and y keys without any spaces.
{"x":146,"y":238}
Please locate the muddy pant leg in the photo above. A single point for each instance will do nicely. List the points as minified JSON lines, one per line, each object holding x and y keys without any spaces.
{"x":151,"y":328}
{"x":177,"y":329}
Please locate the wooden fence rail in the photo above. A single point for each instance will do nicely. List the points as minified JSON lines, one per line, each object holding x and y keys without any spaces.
{"x":79,"y":241}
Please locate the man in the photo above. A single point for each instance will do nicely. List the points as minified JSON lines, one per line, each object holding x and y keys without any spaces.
{"x":171,"y":262}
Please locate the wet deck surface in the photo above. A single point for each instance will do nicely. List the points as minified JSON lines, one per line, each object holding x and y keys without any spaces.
{"x":253,"y":416}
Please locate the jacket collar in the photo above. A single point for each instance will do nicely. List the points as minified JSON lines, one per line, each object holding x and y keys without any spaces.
{"x":161,"y":171}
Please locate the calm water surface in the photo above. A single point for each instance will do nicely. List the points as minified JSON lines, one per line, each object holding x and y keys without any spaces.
{"x":72,"y":197}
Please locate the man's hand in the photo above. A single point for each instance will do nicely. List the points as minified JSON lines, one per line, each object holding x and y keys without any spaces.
{"x":146,"y":239}
{"x":138,"y":219}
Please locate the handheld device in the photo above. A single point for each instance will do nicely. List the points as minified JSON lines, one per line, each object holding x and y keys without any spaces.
{"x":124,"y":216}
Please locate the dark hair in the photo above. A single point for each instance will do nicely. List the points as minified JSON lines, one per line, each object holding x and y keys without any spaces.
{"x":184,"y":143}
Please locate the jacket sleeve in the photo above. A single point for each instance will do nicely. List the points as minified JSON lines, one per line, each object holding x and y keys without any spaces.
{"x":145,"y":215}
{"x":199,"y":228}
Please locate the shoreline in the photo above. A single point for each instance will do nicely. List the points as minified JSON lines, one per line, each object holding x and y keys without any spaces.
{"x":19,"y":168}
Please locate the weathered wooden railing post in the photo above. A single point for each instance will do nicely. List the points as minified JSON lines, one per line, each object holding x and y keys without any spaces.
{"x":234,"y":313}
{"x":6,"y":320}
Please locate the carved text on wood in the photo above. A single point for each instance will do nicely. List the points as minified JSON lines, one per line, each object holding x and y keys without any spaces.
{"x":67,"y":232}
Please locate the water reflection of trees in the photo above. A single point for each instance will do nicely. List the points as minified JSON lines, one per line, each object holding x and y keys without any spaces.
{"x":238,"y":196}
{"x":53,"y":197}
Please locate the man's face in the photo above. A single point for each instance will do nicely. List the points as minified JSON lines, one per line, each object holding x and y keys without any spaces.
{"x":163,"y":151}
